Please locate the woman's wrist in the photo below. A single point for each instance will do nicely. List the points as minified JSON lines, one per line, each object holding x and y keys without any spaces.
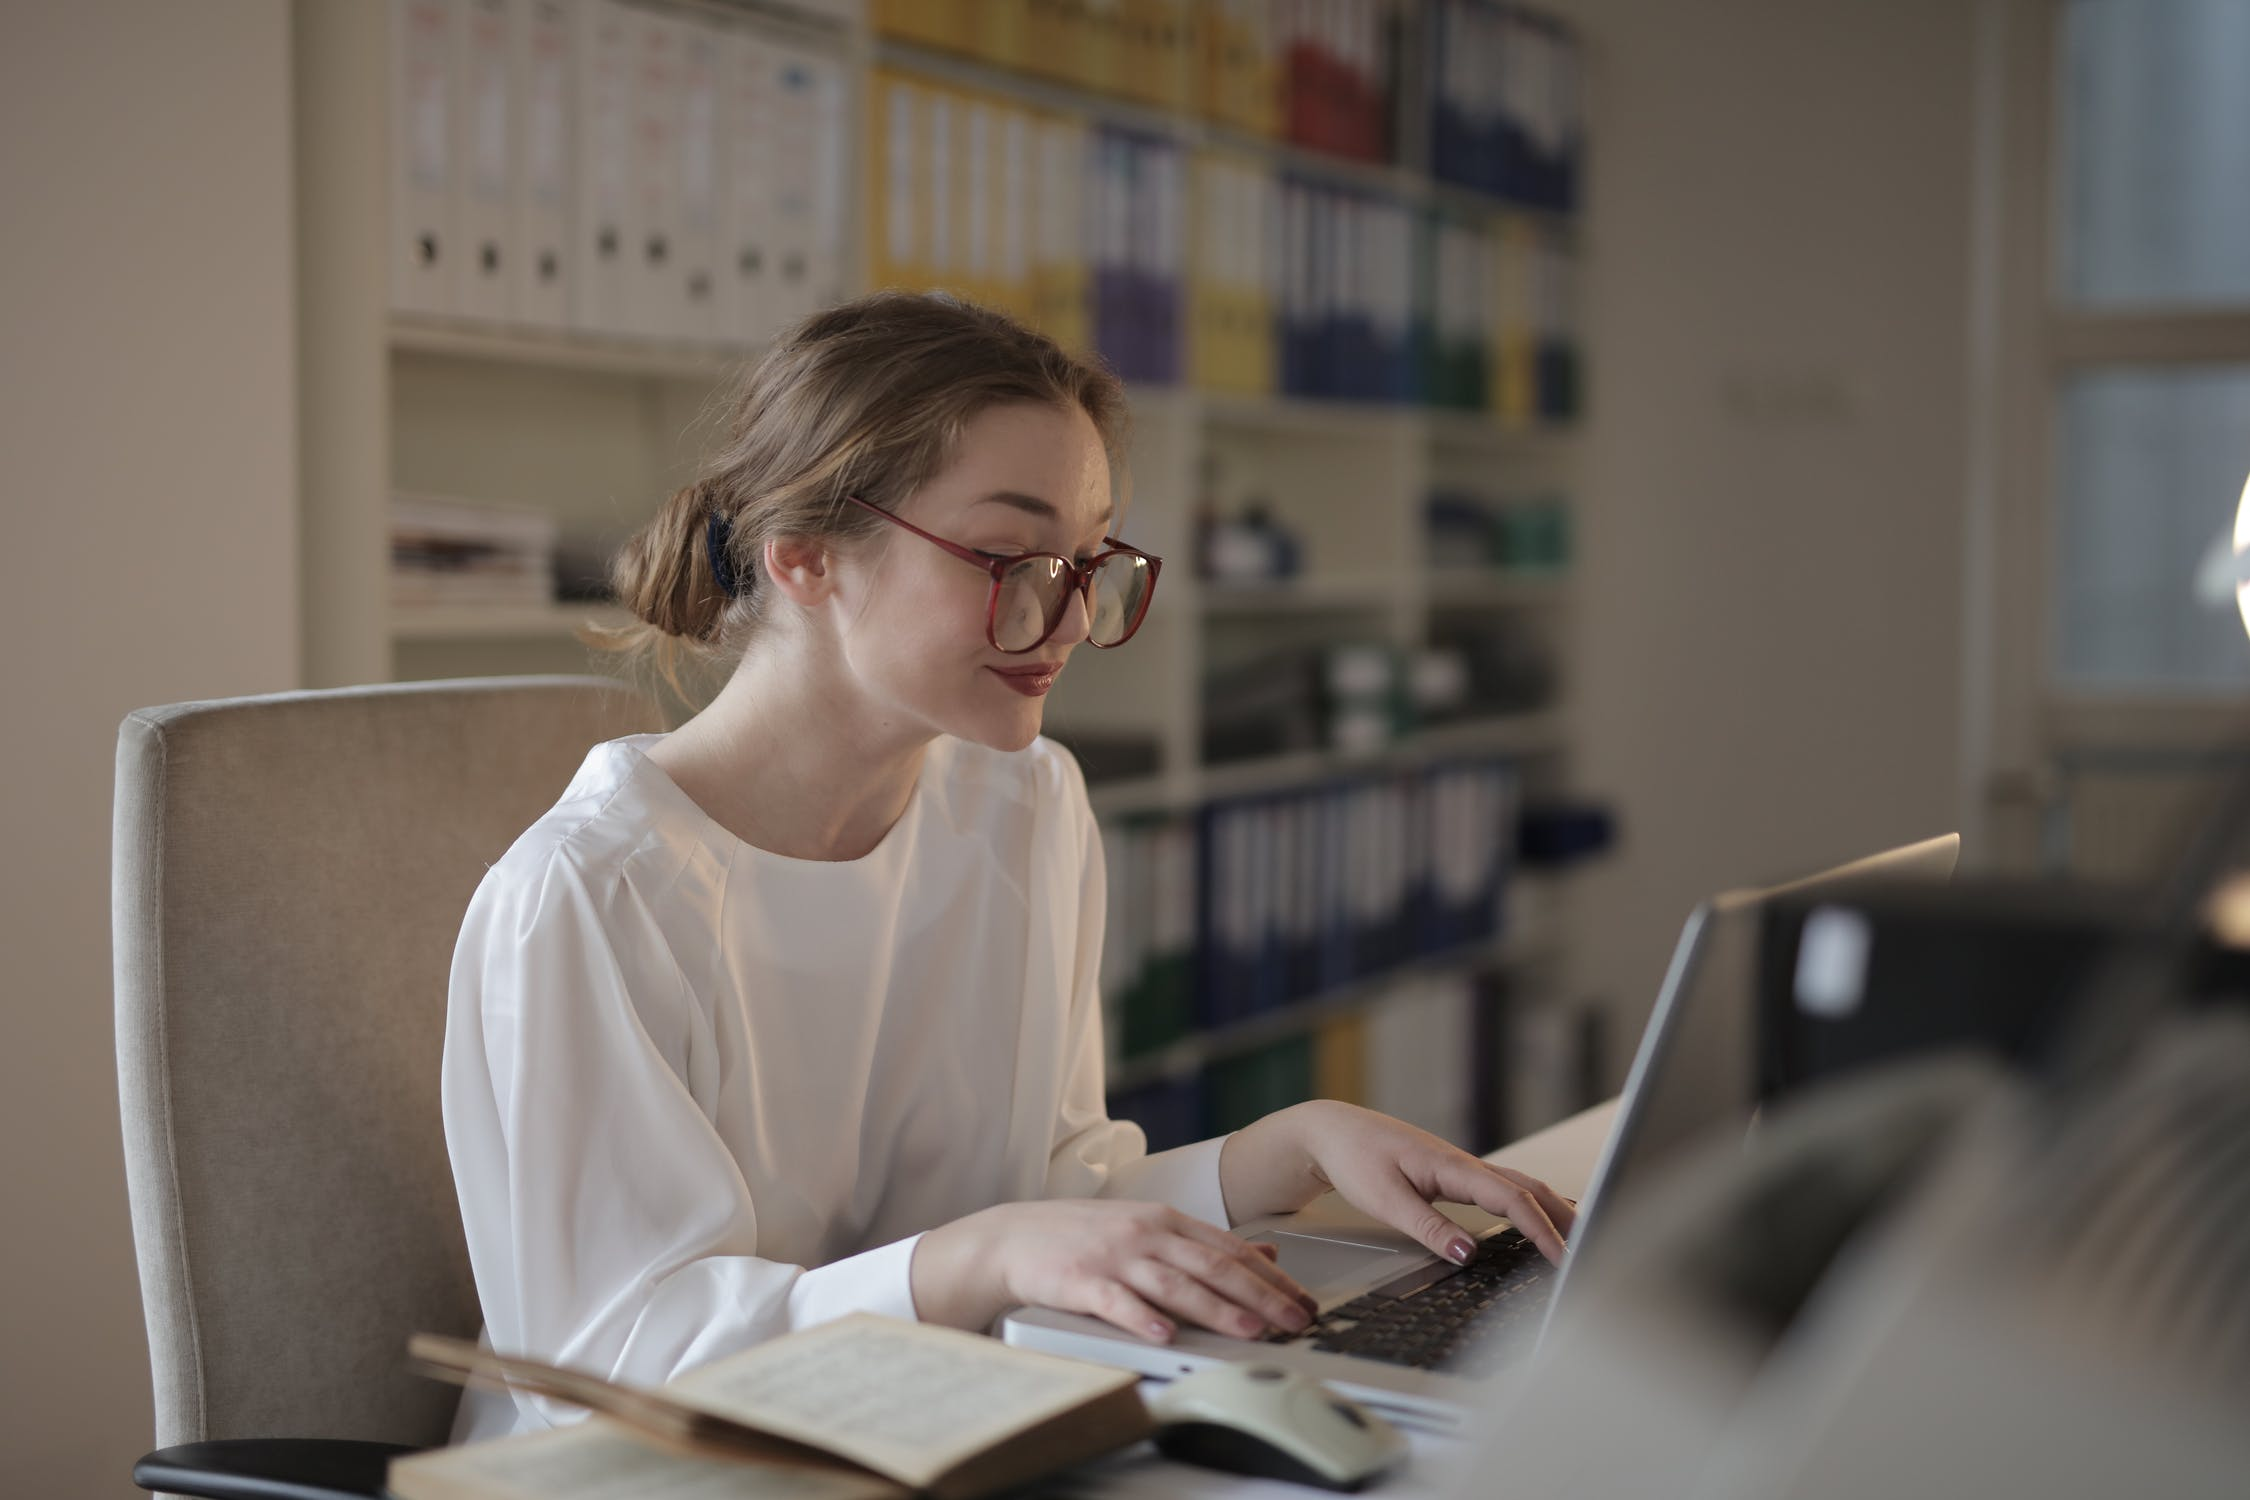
{"x":952,"y":1275}
{"x":1270,"y":1165}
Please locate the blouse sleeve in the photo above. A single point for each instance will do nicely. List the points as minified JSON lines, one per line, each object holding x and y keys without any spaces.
{"x":1093,"y":1155}
{"x":608,"y":1225}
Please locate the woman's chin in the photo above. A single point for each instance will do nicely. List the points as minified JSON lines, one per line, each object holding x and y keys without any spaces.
{"x":1014,"y":732}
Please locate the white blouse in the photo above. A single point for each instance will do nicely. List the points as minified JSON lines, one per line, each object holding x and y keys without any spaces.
{"x":697,"y":1094}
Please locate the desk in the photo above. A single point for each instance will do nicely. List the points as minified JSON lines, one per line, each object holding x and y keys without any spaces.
{"x":1563,"y":1155}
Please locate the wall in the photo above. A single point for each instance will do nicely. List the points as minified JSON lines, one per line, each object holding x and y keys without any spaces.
{"x":147,"y":476}
{"x":1771,"y":622}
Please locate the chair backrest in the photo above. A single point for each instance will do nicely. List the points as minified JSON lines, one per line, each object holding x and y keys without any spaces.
{"x":289,"y":876}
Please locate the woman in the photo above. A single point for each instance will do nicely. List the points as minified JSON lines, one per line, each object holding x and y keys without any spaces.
{"x":791,"y":1012}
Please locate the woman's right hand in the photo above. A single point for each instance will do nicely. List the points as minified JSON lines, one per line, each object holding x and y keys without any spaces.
{"x":1141,"y":1266}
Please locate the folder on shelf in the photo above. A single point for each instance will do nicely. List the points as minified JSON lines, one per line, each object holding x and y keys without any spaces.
{"x":895,"y":213}
{"x":925,"y":23}
{"x":978,"y":185}
{"x":483,"y":169}
{"x":542,"y":111}
{"x":1395,"y":301}
{"x":1164,"y":278}
{"x":999,"y":31}
{"x":807,"y":159}
{"x":601,"y":209}
{"x":653,"y":221}
{"x":750,"y":257}
{"x":1096,"y":44}
{"x":1417,"y":1042}
{"x":1557,"y":377}
{"x":1062,"y":203}
{"x":1340,"y":1060}
{"x":695,"y":313}
{"x":1014,"y":290}
{"x":1515,"y":328}
{"x":940,"y":160}
{"x":1109,"y":211}
{"x":1241,"y":65}
{"x":1214,"y":222}
{"x":830,"y":271}
{"x":425,"y":38}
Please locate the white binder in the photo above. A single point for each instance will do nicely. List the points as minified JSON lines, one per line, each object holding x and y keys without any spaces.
{"x":1015,"y":209}
{"x":808,"y":162}
{"x":601,"y":236}
{"x":937,"y":160}
{"x":704,"y":56}
{"x":751,"y":262}
{"x":482,"y":169}
{"x":834,"y":117}
{"x":653,"y":219}
{"x":424,"y":37}
{"x":540,"y":90}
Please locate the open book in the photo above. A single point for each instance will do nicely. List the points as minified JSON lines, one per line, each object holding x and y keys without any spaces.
{"x":865,"y":1406}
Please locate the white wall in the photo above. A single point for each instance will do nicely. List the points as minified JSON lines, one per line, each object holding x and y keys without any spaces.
{"x":1773,"y":521}
{"x":147,"y":480}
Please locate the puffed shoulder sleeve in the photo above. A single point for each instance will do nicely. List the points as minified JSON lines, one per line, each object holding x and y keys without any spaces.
{"x":608,"y":1225}
{"x":1093,"y":1155}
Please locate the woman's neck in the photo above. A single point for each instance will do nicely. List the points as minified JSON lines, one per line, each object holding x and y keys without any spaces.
{"x":786,"y":764}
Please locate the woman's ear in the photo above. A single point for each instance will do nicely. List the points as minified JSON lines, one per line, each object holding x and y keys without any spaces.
{"x":801,"y":569}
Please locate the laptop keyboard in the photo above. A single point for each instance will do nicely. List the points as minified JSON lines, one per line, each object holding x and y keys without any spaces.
{"x":1465,"y":1320}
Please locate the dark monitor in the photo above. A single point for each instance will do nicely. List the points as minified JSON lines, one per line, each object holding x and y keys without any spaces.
{"x":1847,"y":981}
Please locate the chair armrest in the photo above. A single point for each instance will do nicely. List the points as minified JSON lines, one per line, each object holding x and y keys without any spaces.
{"x":270,"y":1469}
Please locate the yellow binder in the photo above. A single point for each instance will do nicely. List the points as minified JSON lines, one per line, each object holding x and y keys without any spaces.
{"x":1340,"y":1060}
{"x":1000,"y":30}
{"x":926,"y":23}
{"x":896,"y":214}
{"x":1014,"y":147}
{"x":1511,"y":341}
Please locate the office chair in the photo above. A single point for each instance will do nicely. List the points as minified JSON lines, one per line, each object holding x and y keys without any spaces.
{"x":289,"y":875}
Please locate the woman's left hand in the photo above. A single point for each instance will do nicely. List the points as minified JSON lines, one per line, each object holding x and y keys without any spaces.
{"x":1386,"y":1169}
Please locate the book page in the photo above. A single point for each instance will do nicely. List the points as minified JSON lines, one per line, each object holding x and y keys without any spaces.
{"x":905,"y":1399}
{"x":596,"y":1460}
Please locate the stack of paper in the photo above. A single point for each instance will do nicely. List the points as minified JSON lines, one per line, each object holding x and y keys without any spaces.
{"x":468,"y":552}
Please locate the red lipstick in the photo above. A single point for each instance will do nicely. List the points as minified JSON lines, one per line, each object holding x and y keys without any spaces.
{"x":1032,"y":681}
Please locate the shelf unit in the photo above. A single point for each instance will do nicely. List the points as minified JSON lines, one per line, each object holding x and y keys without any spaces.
{"x":601,"y":430}
{"x":1188,"y":1056}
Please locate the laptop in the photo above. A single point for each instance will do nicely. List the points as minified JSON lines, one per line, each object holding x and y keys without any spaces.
{"x":1416,"y":1337}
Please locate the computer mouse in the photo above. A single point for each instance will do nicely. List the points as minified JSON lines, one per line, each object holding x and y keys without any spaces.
{"x":1274,"y":1423}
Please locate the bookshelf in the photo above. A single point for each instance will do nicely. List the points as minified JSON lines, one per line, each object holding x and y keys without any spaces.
{"x":599,"y":429}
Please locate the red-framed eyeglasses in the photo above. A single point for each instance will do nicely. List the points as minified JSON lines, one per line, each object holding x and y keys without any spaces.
{"x":1031,"y":590}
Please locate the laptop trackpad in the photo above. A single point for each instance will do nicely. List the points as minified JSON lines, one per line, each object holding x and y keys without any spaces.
{"x":1316,"y":1263}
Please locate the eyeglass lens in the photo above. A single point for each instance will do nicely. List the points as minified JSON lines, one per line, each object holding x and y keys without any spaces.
{"x":1035,"y":593}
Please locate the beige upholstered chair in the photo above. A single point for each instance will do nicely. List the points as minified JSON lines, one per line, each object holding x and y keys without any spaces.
{"x":290,"y":873}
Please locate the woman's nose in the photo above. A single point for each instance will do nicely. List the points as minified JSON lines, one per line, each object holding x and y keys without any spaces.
{"x":1077,"y":621}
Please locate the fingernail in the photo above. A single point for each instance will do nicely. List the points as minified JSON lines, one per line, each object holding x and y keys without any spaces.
{"x":1161,"y":1332}
{"x":1460,"y":1251}
{"x":1296,"y":1320}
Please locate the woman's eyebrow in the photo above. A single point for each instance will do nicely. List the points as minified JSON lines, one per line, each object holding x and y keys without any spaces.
{"x":1033,"y":505}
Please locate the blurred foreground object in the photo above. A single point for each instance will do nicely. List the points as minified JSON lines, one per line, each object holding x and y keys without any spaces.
{"x":1927,"y":1279}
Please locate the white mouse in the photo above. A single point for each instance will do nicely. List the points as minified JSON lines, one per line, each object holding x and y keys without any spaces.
{"x":1264,"y":1420}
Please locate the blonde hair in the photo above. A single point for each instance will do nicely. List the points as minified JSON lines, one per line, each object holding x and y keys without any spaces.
{"x":868,"y":398}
